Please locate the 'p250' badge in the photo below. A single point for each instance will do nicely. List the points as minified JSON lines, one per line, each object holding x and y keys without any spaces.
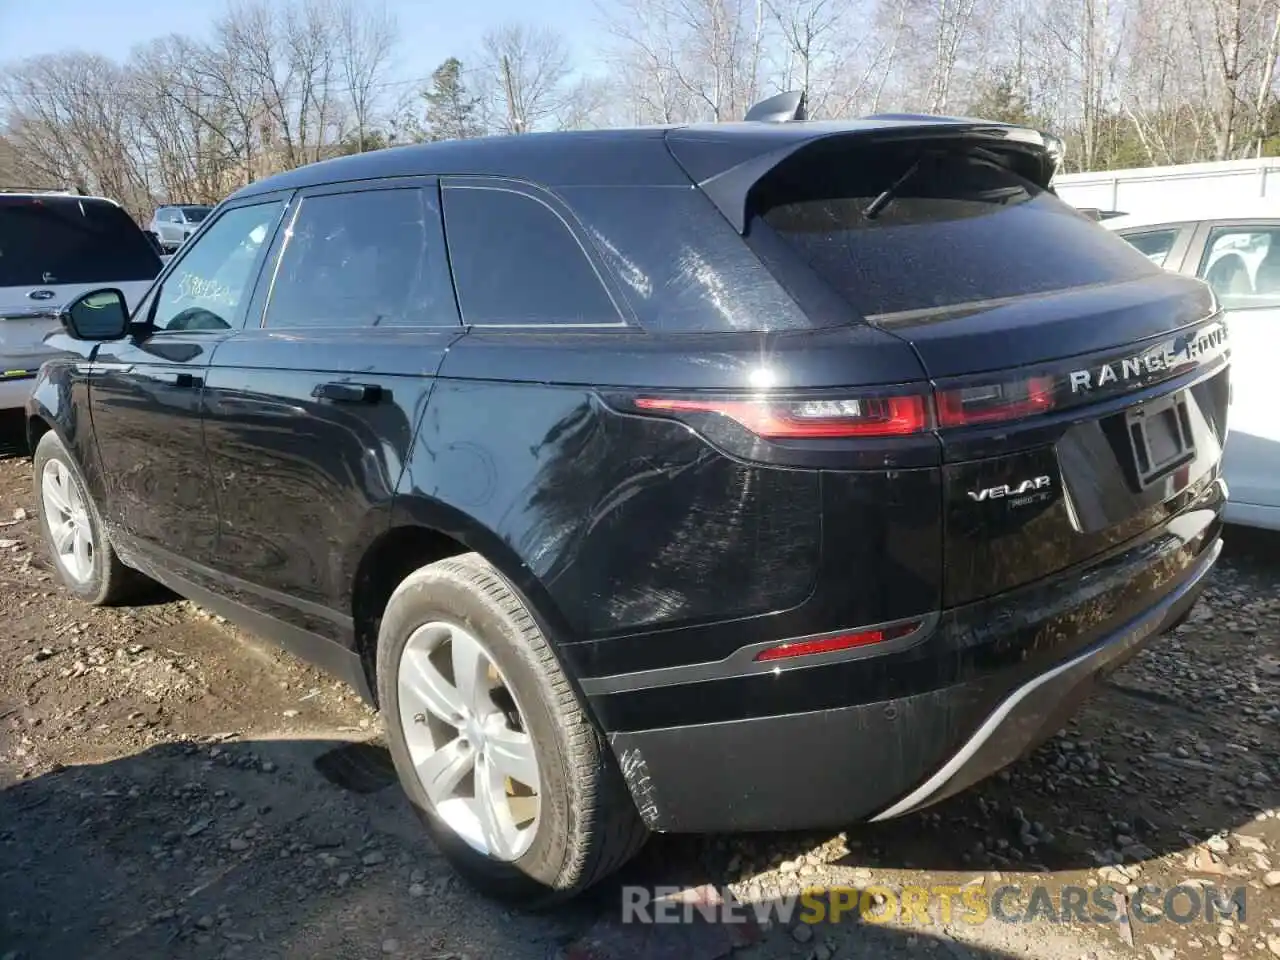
{"x":1010,"y":489}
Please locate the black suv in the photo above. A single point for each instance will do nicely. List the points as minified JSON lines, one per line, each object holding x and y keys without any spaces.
{"x":746,"y":476}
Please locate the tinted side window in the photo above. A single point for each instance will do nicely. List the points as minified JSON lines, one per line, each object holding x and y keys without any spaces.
{"x":1242,"y":264}
{"x":1153,"y":244}
{"x":515,"y":261}
{"x":210,"y":285}
{"x":364,"y":259}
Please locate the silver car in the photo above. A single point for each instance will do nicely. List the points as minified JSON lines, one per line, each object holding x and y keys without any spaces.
{"x":54,"y":247}
{"x":172,"y":224}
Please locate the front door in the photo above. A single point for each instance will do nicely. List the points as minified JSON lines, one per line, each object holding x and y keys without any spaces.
{"x":145,"y":390}
{"x":310,"y":410}
{"x":1241,"y":261}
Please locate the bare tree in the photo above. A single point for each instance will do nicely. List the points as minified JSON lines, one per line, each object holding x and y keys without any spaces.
{"x":1236,"y":42}
{"x":818,"y":46}
{"x":646,"y":61}
{"x":950,"y":23}
{"x":71,"y":123}
{"x":589,"y":103}
{"x":527,"y":69}
{"x":279,"y":83}
{"x":365,"y":38}
{"x":1086,"y":38}
{"x":189,"y":142}
{"x":694,"y":59}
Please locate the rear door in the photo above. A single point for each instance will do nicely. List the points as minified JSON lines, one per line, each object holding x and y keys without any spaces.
{"x":52,"y":249}
{"x":145,"y":390}
{"x":1241,"y":261}
{"x":310,"y":410}
{"x":1080,"y":389}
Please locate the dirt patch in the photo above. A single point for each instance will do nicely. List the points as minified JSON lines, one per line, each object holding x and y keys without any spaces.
{"x":172,"y":787}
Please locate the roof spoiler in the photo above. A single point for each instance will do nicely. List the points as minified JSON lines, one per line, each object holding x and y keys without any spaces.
{"x":729,"y":187}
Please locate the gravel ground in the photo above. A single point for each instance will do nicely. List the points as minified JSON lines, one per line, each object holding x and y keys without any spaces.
{"x":170,"y":787}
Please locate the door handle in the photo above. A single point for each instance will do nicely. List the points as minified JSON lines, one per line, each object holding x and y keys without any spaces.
{"x":339,"y":392}
{"x":188,"y":380}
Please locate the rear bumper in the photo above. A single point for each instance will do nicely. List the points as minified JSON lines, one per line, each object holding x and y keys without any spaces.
{"x":874,"y":760}
{"x":1035,"y":710}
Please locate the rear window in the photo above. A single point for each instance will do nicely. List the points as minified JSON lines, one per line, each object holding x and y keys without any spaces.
{"x":196,"y":214}
{"x":1155,"y":245}
{"x":51,"y":240}
{"x":957,"y":227}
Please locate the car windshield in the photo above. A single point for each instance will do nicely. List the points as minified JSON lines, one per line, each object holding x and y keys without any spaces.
{"x":52,"y":240}
{"x":195,"y":214}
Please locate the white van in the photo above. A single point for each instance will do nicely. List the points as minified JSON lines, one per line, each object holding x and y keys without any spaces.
{"x":54,"y":247}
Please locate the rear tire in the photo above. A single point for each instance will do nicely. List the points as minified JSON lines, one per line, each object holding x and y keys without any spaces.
{"x":89,"y":568}
{"x":579,"y":821}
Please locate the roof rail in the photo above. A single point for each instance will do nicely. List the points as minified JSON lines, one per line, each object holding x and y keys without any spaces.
{"x":780,"y":108}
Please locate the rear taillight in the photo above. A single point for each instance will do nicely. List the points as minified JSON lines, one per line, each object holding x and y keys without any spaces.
{"x":995,"y":402}
{"x":901,"y":415}
{"x":816,"y":418}
{"x":839,"y":641}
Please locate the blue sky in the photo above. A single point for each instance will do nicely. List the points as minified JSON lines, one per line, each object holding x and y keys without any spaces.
{"x":430,"y":30}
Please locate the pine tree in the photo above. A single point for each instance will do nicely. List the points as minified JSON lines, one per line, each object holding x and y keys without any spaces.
{"x":1000,"y":99}
{"x":451,"y":109}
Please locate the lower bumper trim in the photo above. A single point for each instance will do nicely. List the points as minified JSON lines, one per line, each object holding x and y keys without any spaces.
{"x":875,"y":760}
{"x":1003,"y":736}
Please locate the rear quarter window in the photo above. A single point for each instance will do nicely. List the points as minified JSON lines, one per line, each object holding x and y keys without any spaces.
{"x":679,"y":263}
{"x":956,"y":228}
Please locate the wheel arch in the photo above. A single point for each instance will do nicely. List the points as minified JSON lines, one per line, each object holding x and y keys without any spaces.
{"x":36,"y":427}
{"x":58,"y":404}
{"x":421,"y":530}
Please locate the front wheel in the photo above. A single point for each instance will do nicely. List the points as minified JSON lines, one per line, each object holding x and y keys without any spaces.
{"x":491,"y":743}
{"x":74,"y":531}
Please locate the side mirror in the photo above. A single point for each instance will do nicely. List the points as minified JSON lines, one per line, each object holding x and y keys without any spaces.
{"x":97,"y":315}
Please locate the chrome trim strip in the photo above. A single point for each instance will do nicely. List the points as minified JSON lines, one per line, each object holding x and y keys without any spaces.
{"x":1141,"y":627}
{"x":742,"y":662}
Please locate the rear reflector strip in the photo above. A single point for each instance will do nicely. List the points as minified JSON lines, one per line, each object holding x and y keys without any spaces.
{"x":894,"y":416}
{"x":841,"y":641}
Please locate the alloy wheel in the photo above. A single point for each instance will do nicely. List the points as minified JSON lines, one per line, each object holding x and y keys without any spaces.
{"x":68,"y":521}
{"x":468,"y":740}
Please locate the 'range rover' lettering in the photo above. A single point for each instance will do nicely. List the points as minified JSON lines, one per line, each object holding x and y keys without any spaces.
{"x":1169,"y":356}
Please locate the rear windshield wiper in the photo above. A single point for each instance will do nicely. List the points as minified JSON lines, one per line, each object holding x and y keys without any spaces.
{"x":874,"y":208}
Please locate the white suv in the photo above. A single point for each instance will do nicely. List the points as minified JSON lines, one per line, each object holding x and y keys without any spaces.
{"x":172,"y":224}
{"x":54,"y":247}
